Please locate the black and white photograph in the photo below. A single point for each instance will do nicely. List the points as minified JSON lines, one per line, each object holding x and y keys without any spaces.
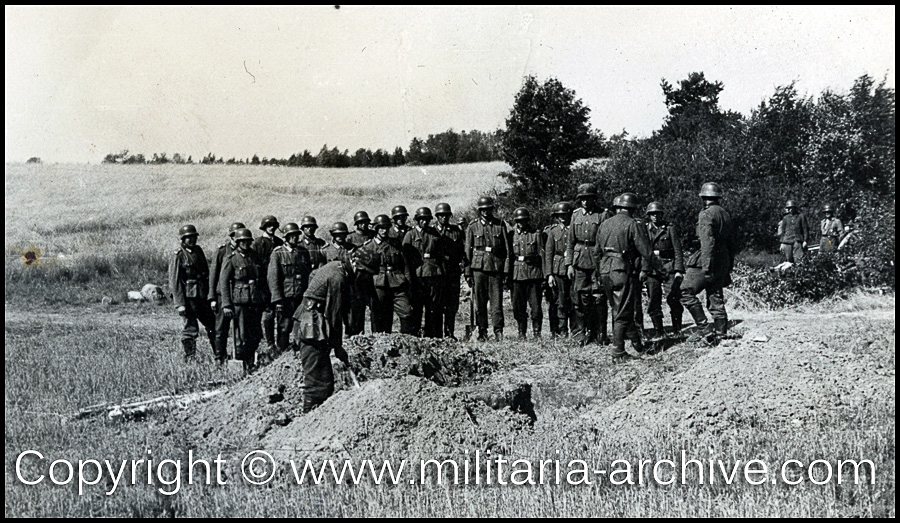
{"x":450,"y":261}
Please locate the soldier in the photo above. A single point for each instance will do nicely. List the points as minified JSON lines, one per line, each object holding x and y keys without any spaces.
{"x":831,"y":228}
{"x":488,"y":248}
{"x":312,"y":243}
{"x":288,"y":275}
{"x":242,"y":298}
{"x":559,"y":286}
{"x":793,"y":233}
{"x":391,"y":280}
{"x":339,"y":250}
{"x":668,"y":270}
{"x":399,"y":229}
{"x":188,"y":279}
{"x":588,"y":314}
{"x":363,"y":232}
{"x":318,"y":322}
{"x":223,"y":324}
{"x":424,"y":251}
{"x":527,"y":274}
{"x":619,"y":243}
{"x":263,"y":246}
{"x":709,"y":269}
{"x":454,"y":262}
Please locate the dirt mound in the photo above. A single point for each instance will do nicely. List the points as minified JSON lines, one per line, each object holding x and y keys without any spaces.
{"x":443,"y":361}
{"x":788,"y":381}
{"x":406,"y":417}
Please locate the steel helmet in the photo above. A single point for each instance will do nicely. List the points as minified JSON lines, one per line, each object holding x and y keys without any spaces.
{"x":423,"y":212}
{"x":361,"y":216}
{"x":187,"y":230}
{"x":790,"y":204}
{"x":382,"y":221}
{"x":521,"y":214}
{"x":308,"y":220}
{"x":710,"y":190}
{"x":626,"y":200}
{"x":268,"y":221}
{"x":243,"y":234}
{"x":290,"y":228}
{"x":235,"y":226}
{"x":399,"y":210}
{"x":655,"y":207}
{"x":442,"y":208}
{"x":562,"y":208}
{"x":587,"y":190}
{"x":485,"y":202}
{"x":828,"y":208}
{"x":339,"y":228}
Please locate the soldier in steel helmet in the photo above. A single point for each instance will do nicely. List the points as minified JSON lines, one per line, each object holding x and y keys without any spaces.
{"x":287,"y":275}
{"x":390,"y":279}
{"x":340,"y":249}
{"x":831,"y":230}
{"x":488,"y":249}
{"x":263,"y":245}
{"x":793,"y":233}
{"x":588,"y":313}
{"x":621,"y":245}
{"x":223,"y":324}
{"x":668,"y":264}
{"x":527,"y":273}
{"x":242,"y":297}
{"x":399,"y":216}
{"x":312,"y":243}
{"x":424,"y":251}
{"x":454,"y":262}
{"x":318,"y":323}
{"x":559,"y":295}
{"x":363,"y":232}
{"x":709,"y":269}
{"x":188,"y":280}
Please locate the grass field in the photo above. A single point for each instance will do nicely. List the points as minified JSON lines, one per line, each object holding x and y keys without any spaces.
{"x":114,"y":226}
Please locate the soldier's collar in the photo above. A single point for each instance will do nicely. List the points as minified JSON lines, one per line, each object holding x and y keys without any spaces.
{"x":186,"y":248}
{"x":377,"y":240}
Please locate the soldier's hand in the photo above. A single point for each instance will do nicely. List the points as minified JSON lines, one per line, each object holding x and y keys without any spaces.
{"x":804,"y":245}
{"x":228,"y":312}
{"x":570,"y":272}
{"x":551,"y":281}
{"x":180,"y":310}
{"x":212,"y":305}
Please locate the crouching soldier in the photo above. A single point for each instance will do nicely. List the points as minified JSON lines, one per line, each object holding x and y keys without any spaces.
{"x":527,"y":273}
{"x":188,"y":279}
{"x":288,"y":275}
{"x":242,"y":298}
{"x":318,"y":325}
{"x":223,"y":324}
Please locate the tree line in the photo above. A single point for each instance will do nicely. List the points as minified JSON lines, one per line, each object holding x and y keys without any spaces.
{"x":442,"y":148}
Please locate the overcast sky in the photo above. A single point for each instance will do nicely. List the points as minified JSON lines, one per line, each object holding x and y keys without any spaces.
{"x":85,"y":81}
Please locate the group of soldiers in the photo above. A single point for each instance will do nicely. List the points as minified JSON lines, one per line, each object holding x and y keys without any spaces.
{"x":590,"y":264}
{"x":794,"y":233}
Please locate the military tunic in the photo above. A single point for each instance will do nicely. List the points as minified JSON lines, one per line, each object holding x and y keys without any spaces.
{"x":288,"y":275}
{"x":559,"y":295}
{"x":264,"y":245}
{"x":668,"y":259}
{"x":189,"y":282}
{"x":398,"y":232}
{"x":240,"y":286}
{"x":709,"y":269}
{"x":315,"y":246}
{"x":454,"y":248}
{"x":588,"y":313}
{"x":358,"y":238}
{"x":527,"y":277}
{"x":488,"y":250}
{"x":424,"y":251}
{"x":793,"y":232}
{"x":391,"y":284}
{"x":831,"y":230}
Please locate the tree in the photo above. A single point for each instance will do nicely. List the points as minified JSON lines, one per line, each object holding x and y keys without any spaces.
{"x":693,"y":107}
{"x":547,"y":130}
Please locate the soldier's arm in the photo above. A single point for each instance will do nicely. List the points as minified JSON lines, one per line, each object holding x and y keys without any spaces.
{"x":804,"y":228}
{"x":780,"y":232}
{"x":642,"y":246}
{"x":549,"y":251}
{"x":508,"y":265}
{"x":676,"y":246}
{"x":570,"y":245}
{"x":467,"y":252}
{"x":225,"y":283}
{"x":274,"y":277}
{"x":175,"y":281}
{"x":214,"y":276}
{"x":707,"y":241}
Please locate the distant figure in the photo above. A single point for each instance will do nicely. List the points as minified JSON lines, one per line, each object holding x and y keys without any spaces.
{"x":527,"y":273}
{"x":423,"y":247}
{"x":399,"y":216}
{"x":488,"y":247}
{"x":831,"y":230}
{"x":242,"y":298}
{"x":793,"y":233}
{"x":188,"y":280}
{"x":223,"y":323}
{"x":668,"y":264}
{"x":288,"y":275}
{"x":263,"y":245}
{"x":454,"y":262}
{"x":559,"y":296}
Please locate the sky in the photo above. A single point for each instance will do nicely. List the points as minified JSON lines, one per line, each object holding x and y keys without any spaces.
{"x":82,"y":82}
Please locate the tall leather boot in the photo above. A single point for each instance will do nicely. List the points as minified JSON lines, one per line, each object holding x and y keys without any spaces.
{"x":190,"y":348}
{"x":720,"y":326}
{"x":536,"y":330}
{"x":703,"y":328}
{"x":658,"y":328}
{"x":522,"y":328}
{"x":676,"y":324}
{"x":578,"y":333}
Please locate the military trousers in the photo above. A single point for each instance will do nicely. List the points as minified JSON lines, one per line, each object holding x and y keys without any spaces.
{"x":695,"y":282}
{"x":318,"y":374}
{"x":428,"y":305}
{"x":223,"y":326}
{"x":387,"y":302}
{"x":247,"y":331}
{"x":197,"y":311}
{"x":619,"y":288}
{"x":527,"y":293}
{"x":668,"y":287}
{"x":363,"y":297}
{"x":589,"y":307}
{"x":559,"y":301}
{"x":793,"y":252}
{"x":488,"y":287}
{"x":284,"y":322}
{"x":450,"y":300}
